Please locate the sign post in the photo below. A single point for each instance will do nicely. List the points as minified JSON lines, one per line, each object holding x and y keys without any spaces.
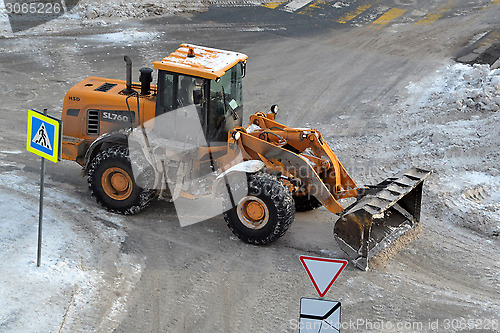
{"x":320,"y":315}
{"x":44,"y":140}
{"x":40,"y":214}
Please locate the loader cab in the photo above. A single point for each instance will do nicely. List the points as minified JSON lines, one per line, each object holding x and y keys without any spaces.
{"x":204,"y":90}
{"x":225,"y":106}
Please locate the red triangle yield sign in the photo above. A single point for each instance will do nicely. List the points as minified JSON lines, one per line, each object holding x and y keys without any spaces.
{"x":322,"y":271}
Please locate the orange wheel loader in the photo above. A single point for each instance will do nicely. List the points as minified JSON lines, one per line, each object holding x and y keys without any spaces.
{"x":183,"y":137}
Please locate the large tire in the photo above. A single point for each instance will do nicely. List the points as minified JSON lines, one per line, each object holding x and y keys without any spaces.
{"x":306,"y":203}
{"x":264,"y":214}
{"x":112,"y":182}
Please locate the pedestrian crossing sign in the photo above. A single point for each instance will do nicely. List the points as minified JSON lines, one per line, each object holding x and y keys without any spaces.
{"x":44,"y":136}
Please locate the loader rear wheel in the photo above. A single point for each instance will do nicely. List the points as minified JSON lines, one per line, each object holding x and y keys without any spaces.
{"x":264,"y":214}
{"x":306,"y":203}
{"x":112,"y":183}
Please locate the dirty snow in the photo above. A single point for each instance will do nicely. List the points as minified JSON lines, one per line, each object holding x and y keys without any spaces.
{"x":92,"y":9}
{"x":341,"y":4}
{"x":450,"y":123}
{"x":105,"y":13}
{"x":65,"y":292}
{"x":121,"y":37}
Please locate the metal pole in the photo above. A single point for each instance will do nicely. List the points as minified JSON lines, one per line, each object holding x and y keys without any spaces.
{"x":40,"y":210}
{"x":40,"y":215}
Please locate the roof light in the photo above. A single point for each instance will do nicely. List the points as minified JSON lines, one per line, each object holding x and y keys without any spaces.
{"x":190,"y":52}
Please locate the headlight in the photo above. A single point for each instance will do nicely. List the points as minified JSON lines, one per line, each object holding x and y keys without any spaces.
{"x":236,"y":135}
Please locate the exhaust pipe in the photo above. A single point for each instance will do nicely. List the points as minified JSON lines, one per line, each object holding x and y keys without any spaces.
{"x":146,"y":78}
{"x":128,"y":90}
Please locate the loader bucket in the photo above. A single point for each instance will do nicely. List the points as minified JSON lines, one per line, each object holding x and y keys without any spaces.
{"x":384,"y":218}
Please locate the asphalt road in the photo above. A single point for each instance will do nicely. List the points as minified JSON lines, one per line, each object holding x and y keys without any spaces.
{"x":337,"y":69}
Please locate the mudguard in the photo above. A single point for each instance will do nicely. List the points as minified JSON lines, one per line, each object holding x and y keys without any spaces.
{"x":251,"y":166}
{"x":102,"y":142}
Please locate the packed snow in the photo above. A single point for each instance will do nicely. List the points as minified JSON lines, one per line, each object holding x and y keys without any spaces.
{"x":121,"y":37}
{"x":67,"y":290}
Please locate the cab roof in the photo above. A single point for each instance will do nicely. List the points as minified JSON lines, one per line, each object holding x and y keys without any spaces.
{"x":200,"y":61}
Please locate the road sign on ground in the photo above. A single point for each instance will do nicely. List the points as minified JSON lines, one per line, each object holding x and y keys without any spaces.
{"x":322,"y":271}
{"x":44,"y":136}
{"x":319,"y":316}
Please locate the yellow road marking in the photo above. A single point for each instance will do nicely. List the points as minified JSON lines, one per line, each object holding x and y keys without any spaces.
{"x":349,"y":16}
{"x":430,"y":18}
{"x":433,"y":17}
{"x":493,"y":2}
{"x":388,"y":16}
{"x":273,"y":4}
{"x":315,"y":5}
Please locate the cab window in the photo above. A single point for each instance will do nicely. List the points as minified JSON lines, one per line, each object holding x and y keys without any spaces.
{"x":166,"y":96}
{"x":176,"y":91}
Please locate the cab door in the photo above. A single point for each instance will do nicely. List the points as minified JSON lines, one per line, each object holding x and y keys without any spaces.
{"x":180,"y":112}
{"x":226,"y":106}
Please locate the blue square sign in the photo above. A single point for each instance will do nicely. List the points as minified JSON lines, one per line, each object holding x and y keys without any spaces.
{"x":44,"y":136}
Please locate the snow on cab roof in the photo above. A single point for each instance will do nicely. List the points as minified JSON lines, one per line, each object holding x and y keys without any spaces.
{"x":201,"y":61}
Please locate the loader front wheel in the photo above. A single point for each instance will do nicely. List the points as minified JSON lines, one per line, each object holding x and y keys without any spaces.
{"x":112,"y":183}
{"x":264,"y":214}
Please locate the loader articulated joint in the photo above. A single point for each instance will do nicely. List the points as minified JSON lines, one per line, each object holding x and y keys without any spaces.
{"x":294,"y":181}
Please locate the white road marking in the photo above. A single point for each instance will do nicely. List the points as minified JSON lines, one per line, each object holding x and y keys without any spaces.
{"x":295,"y":5}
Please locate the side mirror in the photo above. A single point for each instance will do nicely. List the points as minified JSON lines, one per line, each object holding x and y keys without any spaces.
{"x":197,"y":96}
{"x":243,"y":69}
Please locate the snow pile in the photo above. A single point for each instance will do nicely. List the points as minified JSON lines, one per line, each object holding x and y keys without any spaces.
{"x":103,"y":13}
{"x":91,"y":9}
{"x":72,"y":290}
{"x":450,"y":123}
{"x":459,"y":87}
